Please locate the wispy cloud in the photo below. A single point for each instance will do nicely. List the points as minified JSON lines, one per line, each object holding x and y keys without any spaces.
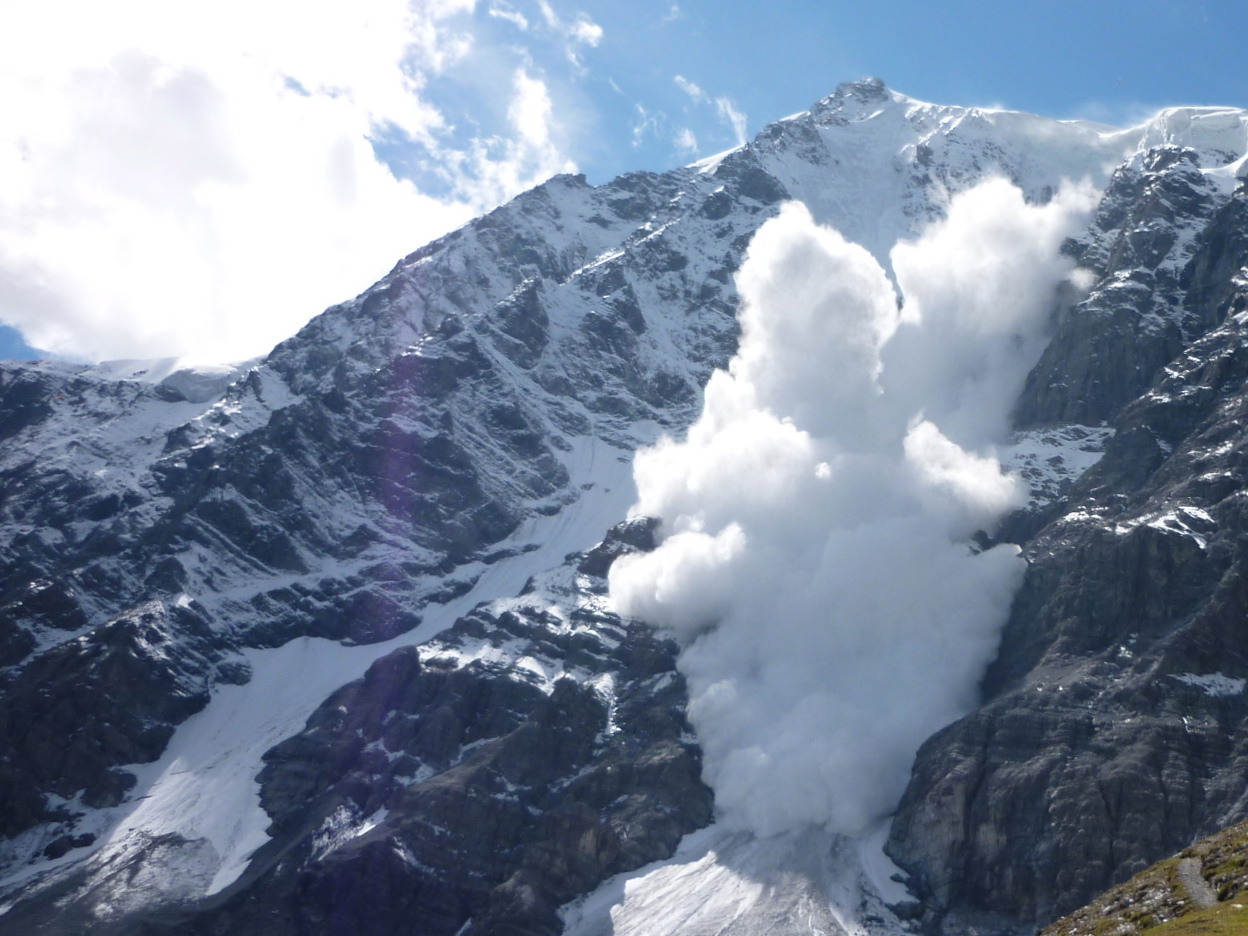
{"x":494,"y":168}
{"x":725,"y":108}
{"x":647,"y":124}
{"x":578,"y":32}
{"x":686,"y":142}
{"x":1117,"y":114}
{"x":691,"y":89}
{"x":729,"y":114}
{"x":506,"y":11}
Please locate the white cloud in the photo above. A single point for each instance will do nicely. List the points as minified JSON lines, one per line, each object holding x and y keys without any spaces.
{"x":202,"y":182}
{"x":548,"y":14}
{"x":691,"y":89}
{"x":505,"y":11}
{"x":734,"y":118}
{"x":686,"y":142}
{"x":818,"y":564}
{"x":986,"y":273}
{"x":646,"y":125}
{"x":586,"y":31}
{"x":433,"y":46}
{"x":498,"y":167}
{"x":580,"y":31}
{"x":725,"y":109}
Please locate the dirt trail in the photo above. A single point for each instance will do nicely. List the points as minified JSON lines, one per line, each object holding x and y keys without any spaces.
{"x":1197,"y":887}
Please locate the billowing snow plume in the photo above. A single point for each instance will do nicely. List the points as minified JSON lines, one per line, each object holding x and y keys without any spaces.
{"x":818,"y":562}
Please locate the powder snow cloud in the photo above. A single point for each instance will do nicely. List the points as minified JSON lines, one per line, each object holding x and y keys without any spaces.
{"x":818,"y":563}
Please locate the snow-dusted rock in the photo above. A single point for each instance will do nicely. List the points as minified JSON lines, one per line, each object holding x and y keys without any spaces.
{"x":261,"y":551}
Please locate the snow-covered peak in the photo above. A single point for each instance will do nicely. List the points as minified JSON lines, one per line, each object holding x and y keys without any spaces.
{"x":856,"y":100}
{"x":879,"y":165}
{"x":1218,"y":134}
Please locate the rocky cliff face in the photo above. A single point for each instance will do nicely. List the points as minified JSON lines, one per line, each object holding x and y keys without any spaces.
{"x":494,"y":773}
{"x":322,"y":645}
{"x":1112,"y":729}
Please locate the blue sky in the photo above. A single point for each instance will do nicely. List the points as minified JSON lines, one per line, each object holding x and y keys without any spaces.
{"x":466,"y":102}
{"x":1111,"y":61}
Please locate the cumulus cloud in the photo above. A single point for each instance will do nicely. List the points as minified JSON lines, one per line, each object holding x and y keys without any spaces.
{"x":987,"y":273}
{"x":819,"y":562}
{"x":201,"y":182}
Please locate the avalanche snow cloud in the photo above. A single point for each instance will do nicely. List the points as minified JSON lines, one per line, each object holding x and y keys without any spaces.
{"x":819,"y":563}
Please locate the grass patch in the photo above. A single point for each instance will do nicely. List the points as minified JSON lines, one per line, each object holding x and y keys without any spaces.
{"x":1226,"y":919}
{"x":1155,"y":902}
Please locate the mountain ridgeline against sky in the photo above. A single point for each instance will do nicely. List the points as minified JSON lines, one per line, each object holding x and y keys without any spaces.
{"x":705,"y":552}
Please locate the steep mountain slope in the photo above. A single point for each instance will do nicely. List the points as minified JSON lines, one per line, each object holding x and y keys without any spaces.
{"x":1112,"y":731}
{"x":387,"y":530}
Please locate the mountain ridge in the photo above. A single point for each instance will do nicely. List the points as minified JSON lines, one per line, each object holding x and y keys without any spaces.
{"x":465,"y":424}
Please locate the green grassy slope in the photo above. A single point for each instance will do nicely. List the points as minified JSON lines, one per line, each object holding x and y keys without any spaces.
{"x":1157,"y":901}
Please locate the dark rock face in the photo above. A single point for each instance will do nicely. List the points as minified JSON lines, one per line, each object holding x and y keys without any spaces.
{"x":23,"y":401}
{"x":110,"y":697}
{"x":548,"y":791}
{"x":638,"y":534}
{"x":472,"y":785}
{"x":1155,"y":234}
{"x":1113,"y":731}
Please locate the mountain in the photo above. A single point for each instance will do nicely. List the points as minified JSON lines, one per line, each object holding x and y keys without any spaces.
{"x":325,"y":643}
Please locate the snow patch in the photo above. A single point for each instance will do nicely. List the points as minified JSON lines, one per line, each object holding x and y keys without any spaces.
{"x":1050,"y":460}
{"x":724,"y":883}
{"x":1215,"y":685}
{"x":1185,"y":520}
{"x":340,"y":827}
